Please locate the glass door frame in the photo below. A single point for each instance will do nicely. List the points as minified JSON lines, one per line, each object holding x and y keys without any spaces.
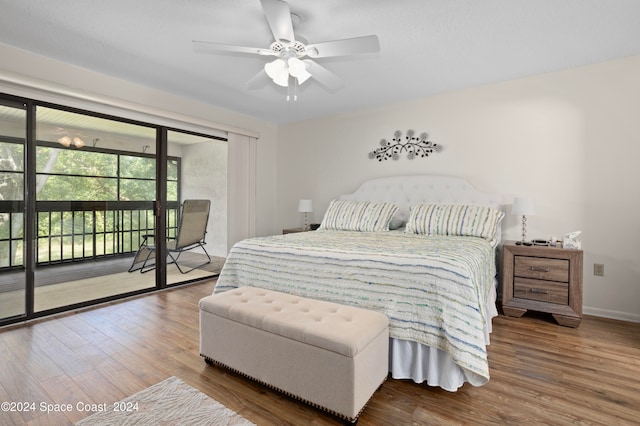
{"x":30,"y":231}
{"x":161,"y":203}
{"x":18,"y":206}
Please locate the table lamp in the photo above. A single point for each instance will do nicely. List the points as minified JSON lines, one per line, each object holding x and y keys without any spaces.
{"x":523,"y":206}
{"x":306,"y":207}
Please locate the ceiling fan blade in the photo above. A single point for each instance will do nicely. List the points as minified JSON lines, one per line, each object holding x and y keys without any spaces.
{"x":348,"y":46}
{"x":278,"y":16}
{"x":208,"y":47}
{"x":323,"y":75}
{"x":259,"y":80}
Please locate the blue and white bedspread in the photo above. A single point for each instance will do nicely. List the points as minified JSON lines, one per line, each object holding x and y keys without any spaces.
{"x":433,"y":289}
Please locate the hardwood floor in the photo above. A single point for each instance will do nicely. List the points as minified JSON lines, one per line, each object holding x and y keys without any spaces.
{"x":67,"y":284}
{"x":541,"y":373}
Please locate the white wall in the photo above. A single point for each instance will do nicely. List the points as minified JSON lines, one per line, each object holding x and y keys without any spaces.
{"x":570,"y":140}
{"x":204,"y":176}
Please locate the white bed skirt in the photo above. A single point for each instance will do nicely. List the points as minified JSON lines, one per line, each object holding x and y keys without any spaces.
{"x":411,"y":360}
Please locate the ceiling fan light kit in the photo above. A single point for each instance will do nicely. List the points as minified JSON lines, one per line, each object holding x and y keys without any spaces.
{"x":289,"y":67}
{"x":280,"y":70}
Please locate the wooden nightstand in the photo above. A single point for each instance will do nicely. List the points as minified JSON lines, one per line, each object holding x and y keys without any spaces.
{"x":294,"y":230}
{"x":544,"y":279}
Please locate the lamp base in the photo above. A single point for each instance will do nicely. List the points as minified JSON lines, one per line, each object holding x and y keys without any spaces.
{"x":306,"y":226}
{"x":524,"y":231}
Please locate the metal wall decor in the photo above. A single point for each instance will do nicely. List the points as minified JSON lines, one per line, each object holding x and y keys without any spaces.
{"x":415,"y":146}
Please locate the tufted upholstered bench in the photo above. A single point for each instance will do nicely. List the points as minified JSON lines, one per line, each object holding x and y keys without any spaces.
{"x":331,"y":356}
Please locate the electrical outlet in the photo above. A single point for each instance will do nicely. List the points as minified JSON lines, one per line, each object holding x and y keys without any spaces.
{"x":598,"y":269}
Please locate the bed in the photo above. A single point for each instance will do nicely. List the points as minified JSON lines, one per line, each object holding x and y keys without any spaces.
{"x":420,"y":249}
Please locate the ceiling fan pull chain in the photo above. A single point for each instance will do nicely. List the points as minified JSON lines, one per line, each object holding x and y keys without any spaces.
{"x":292,"y":82}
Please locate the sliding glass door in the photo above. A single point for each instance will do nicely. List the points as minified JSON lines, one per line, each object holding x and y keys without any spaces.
{"x":94,"y":200}
{"x":90,"y":203}
{"x":13,"y":289}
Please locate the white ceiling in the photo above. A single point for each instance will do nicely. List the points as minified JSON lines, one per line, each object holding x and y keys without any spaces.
{"x":427,"y":46}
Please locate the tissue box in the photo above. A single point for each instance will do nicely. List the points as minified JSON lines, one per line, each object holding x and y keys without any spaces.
{"x":571,"y":241}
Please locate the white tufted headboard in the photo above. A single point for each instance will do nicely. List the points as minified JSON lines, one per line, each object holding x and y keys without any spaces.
{"x":406,"y":191}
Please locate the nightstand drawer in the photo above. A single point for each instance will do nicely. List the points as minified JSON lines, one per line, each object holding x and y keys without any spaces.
{"x":542,"y":268}
{"x":544,"y":291}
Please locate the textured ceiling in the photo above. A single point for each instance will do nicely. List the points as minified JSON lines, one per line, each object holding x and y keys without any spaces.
{"x":427,"y":46}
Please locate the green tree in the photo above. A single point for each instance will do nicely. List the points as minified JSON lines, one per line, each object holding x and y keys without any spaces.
{"x":12,"y":189}
{"x":69,"y":174}
{"x":76,"y":175}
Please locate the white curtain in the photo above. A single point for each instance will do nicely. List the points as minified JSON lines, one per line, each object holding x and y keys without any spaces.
{"x":241,"y":188}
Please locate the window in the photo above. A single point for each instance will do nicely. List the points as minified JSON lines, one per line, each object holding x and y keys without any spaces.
{"x":11,"y":201}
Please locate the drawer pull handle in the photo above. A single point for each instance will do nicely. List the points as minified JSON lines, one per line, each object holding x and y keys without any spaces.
{"x":539,"y":269}
{"x":537,"y":290}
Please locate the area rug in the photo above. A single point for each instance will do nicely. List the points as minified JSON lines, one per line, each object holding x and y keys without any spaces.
{"x":170,"y":402}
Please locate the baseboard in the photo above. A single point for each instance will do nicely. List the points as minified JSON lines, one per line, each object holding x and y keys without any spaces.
{"x":623,"y":316}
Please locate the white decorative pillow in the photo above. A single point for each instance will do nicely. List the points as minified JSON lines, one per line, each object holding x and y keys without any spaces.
{"x":367,"y":216}
{"x":396,"y":223}
{"x":460,"y":220}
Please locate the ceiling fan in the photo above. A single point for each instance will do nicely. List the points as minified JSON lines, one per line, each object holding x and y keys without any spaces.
{"x":294,"y":62}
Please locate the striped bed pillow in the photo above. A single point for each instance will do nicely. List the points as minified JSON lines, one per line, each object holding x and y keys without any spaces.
{"x":366,"y":216}
{"x":459,"y":220}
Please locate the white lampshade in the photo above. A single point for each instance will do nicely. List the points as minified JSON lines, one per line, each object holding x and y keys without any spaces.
{"x":79,"y":143}
{"x":298,"y":69}
{"x":65,"y":141}
{"x":278,"y":72}
{"x":523,"y":206}
{"x":305,"y":206}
